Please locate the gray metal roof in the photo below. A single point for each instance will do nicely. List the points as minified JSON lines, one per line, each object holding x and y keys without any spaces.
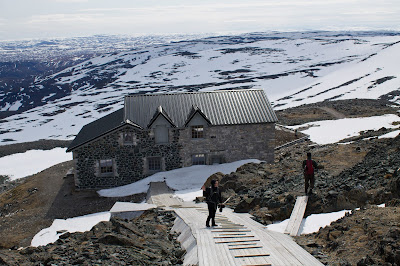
{"x":98,"y":128}
{"x":220,"y":107}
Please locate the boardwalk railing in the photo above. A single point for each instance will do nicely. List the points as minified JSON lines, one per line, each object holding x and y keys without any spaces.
{"x":288,"y":144}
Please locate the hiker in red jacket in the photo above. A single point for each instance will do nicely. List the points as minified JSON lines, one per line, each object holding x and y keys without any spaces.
{"x":309,"y":167}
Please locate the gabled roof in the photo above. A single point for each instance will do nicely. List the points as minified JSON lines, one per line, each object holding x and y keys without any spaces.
{"x":196,"y":110}
{"x":220,"y":107}
{"x":227,"y":107}
{"x":100,"y":127}
{"x":160,"y":112}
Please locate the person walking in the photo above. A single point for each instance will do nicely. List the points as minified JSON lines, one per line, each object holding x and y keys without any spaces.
{"x":213,"y":199}
{"x":309,"y":167}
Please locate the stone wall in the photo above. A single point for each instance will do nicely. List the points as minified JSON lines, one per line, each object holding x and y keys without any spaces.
{"x":230,"y":143}
{"x":220,"y":143}
{"x":128,"y":159}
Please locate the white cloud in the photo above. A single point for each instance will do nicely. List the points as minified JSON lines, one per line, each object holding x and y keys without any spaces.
{"x":62,"y":18}
{"x":70,"y":1}
{"x":68,"y":17}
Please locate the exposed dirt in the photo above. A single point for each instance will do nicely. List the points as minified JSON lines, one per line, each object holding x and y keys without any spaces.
{"x":329,"y":110}
{"x":35,"y":145}
{"x":32,"y":205}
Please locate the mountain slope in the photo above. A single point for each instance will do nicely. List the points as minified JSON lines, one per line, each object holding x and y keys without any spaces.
{"x":293,"y":69}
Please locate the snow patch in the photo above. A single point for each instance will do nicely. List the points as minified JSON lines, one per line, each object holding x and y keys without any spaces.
{"x":390,"y":135}
{"x":15,"y":106}
{"x":186,"y":182}
{"x":311,"y":224}
{"x":31,"y":162}
{"x":48,"y":96}
{"x":60,"y":226}
{"x":331,"y":131}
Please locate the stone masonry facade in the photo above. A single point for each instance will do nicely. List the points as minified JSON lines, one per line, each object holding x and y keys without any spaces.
{"x":230,"y":143}
{"x":129,"y":160}
{"x":219,"y":144}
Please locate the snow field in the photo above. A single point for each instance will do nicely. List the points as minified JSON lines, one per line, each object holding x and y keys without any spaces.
{"x":186,"y":182}
{"x":31,"y":162}
{"x":333,"y":65}
{"x":310,"y":224}
{"x":332,"y":131}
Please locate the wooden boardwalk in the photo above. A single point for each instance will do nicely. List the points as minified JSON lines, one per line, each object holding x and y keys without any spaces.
{"x":237,"y":240}
{"x":162,"y":196}
{"x":297,"y":216}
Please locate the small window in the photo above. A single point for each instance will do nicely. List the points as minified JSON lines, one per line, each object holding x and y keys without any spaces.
{"x":199,"y":159}
{"x":197,"y":132}
{"x":161,"y":134}
{"x":154,"y":164}
{"x":106,"y":166}
{"x":128,"y":137}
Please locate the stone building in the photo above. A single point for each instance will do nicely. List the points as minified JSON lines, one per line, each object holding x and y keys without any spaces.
{"x":161,"y":132}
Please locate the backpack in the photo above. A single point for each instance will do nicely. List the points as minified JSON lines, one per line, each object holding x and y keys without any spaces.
{"x":309,"y":170}
{"x":212,"y":195}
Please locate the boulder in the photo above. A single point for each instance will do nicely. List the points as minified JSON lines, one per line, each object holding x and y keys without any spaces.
{"x":246,"y":205}
{"x":217,"y":176}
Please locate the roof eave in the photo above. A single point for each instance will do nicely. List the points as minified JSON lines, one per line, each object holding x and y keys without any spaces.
{"x":127,"y":122}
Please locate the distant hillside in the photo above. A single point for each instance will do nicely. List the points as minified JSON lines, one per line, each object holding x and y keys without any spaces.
{"x":293,"y":69}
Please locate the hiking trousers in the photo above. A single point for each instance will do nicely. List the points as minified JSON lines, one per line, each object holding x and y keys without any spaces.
{"x":212,"y":209}
{"x":309,"y":181}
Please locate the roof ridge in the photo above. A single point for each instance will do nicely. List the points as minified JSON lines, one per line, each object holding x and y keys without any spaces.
{"x":190,"y":92}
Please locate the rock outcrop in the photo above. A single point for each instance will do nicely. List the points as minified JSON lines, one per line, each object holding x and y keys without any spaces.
{"x":145,"y":240}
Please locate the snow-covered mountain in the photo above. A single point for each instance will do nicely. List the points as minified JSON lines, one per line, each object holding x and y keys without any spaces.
{"x":292,"y":68}
{"x":25,"y":62}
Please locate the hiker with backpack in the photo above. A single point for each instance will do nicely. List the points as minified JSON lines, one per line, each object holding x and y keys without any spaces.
{"x":309,"y":167}
{"x":213,"y":199}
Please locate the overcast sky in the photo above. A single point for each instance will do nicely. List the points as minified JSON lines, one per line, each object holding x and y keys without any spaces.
{"x":65,"y":18}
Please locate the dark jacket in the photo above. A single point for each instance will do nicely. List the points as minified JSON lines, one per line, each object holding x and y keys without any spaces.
{"x":212,"y":195}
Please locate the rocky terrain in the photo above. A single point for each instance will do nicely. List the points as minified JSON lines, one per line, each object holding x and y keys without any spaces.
{"x":366,"y":173}
{"x":359,"y":174}
{"x":369,"y":236}
{"x":37,"y":200}
{"x":142,"y":241}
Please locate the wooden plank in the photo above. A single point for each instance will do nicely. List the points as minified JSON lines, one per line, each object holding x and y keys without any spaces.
{"x":251,"y":255}
{"x":268,"y":264}
{"x":232,"y":236}
{"x":247,"y":247}
{"x":282,"y":249}
{"x":235,"y":241}
{"x":241,"y":244}
{"x":297,"y":215}
{"x":230,"y":230}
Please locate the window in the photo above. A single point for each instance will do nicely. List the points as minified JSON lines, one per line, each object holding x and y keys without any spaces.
{"x":106,"y":166}
{"x":154,"y":164}
{"x":128,"y":137}
{"x":197,"y":132}
{"x":161,"y":134}
{"x":199,"y":159}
